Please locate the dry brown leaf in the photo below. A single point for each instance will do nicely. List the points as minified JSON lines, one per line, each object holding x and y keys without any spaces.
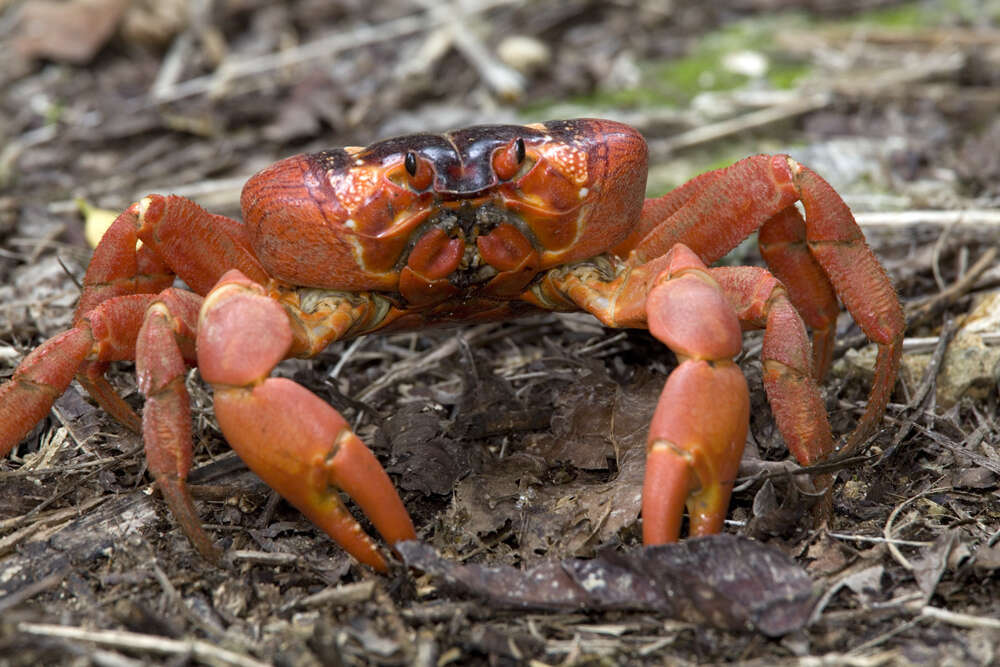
{"x":725,"y":581}
{"x":71,"y":32}
{"x":549,"y":516}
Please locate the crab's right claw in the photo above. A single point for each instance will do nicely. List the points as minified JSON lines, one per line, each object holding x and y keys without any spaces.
{"x":299,"y":445}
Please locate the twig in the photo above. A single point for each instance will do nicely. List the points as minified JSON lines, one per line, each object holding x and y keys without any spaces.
{"x":326,"y":47}
{"x":969,"y":217}
{"x":936,"y":254}
{"x":339,"y":596}
{"x":920,"y":311}
{"x":507,"y":82}
{"x":175,"y":598}
{"x":263,"y":557}
{"x":196,"y":648}
{"x":44,"y":242}
{"x":923,"y":391}
{"x":877,"y":540}
{"x":960,"y":620}
{"x":33,"y":589}
{"x":875,"y":641}
{"x":959,"y":450}
{"x":346,"y":356}
{"x":748,"y":121}
{"x":887,"y":531}
{"x":410,"y":367}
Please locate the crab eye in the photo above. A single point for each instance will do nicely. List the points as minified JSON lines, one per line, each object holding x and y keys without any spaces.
{"x":419,"y":173}
{"x":510,"y":162}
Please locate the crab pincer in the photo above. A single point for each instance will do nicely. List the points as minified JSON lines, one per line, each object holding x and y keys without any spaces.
{"x":299,"y":445}
{"x":700,"y":425}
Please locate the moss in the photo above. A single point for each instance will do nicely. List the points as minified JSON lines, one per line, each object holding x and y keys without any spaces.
{"x":674,"y":83}
{"x":909,"y":15}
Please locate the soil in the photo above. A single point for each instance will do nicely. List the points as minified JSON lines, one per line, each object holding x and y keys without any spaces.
{"x":514,"y":444}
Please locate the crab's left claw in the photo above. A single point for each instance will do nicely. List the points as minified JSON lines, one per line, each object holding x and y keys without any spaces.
{"x":700,"y":426}
{"x":300,"y":446}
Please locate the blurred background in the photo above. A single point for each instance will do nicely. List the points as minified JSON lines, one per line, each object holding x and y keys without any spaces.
{"x":109,"y":99}
{"x":895,"y":103}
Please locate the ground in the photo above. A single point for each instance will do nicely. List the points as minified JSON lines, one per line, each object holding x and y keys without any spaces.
{"x":515,"y":444}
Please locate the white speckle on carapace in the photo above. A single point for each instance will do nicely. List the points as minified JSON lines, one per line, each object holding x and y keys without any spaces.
{"x":353,"y":188}
{"x":584,"y":192}
{"x":569,"y":160}
{"x":350,"y":223}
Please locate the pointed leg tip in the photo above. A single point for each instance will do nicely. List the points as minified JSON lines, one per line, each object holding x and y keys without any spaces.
{"x":178,"y":499}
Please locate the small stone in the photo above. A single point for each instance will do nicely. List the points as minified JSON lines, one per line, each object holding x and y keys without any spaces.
{"x":752,"y":64}
{"x":523,"y":53}
{"x":971,"y":366}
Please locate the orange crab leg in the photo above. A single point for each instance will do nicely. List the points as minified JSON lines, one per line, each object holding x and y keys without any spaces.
{"x":106,"y":333}
{"x":753,"y":192}
{"x":761,"y":302}
{"x":42,"y":376}
{"x":699,"y":427}
{"x":164,"y":346}
{"x":784,"y":247}
{"x":118,"y":268}
{"x":174,"y":231}
{"x":299,"y":445}
{"x":700,"y":424}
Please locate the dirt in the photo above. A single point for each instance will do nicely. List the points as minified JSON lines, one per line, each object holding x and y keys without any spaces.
{"x":519,"y":444}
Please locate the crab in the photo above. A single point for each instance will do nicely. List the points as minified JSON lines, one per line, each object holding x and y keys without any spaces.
{"x":484,"y":223}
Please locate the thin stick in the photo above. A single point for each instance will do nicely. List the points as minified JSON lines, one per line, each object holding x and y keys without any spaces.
{"x":749,"y":121}
{"x":503,"y":80}
{"x":196,"y":648}
{"x":969,"y":217}
{"x":877,"y":540}
{"x":922,"y":310}
{"x":960,"y":620}
{"x":33,"y":589}
{"x":887,"y":531}
{"x":326,"y":47}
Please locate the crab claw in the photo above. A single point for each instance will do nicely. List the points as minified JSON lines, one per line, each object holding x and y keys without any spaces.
{"x":700,"y":425}
{"x":694,"y":448}
{"x":300,"y":446}
{"x":304,"y":450}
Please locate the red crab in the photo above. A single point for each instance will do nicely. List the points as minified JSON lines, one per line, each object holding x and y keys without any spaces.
{"x":483,"y":223}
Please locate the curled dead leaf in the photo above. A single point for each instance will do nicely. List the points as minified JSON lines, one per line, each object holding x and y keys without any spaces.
{"x":725,"y":581}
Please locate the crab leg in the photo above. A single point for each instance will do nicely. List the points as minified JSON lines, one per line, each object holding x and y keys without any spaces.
{"x":740,"y":199}
{"x":164,"y":347}
{"x":782,"y":241}
{"x":700,"y":424}
{"x":761,"y":302}
{"x":293,"y":440}
{"x":40,"y":379}
{"x":106,"y":333}
{"x":178,"y":236}
{"x":118,"y":268}
{"x":783,"y":245}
